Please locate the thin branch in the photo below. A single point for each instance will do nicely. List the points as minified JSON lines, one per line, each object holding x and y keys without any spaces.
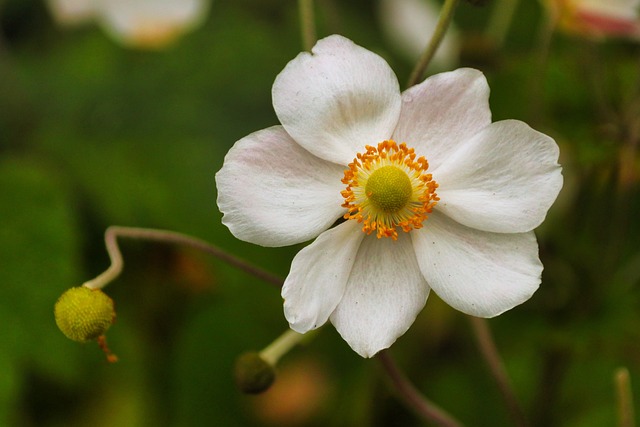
{"x":411,"y":397}
{"x":112,"y":234}
{"x":491,"y":356}
{"x":446,"y":15}
{"x":501,"y":18}
{"x":307,"y":24}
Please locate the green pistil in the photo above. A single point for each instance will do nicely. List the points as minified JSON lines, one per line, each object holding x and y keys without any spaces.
{"x":389,"y":189}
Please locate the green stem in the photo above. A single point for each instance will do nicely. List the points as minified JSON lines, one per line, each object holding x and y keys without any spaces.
{"x":281,"y":346}
{"x":501,"y":18}
{"x":112,"y":234}
{"x":307,"y":24}
{"x":446,"y":15}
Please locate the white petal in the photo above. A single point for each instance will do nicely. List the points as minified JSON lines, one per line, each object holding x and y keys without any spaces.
{"x":337,"y":99}
{"x":476,"y":272}
{"x":442,"y":111}
{"x":72,"y":12}
{"x":503,"y":180}
{"x":273,"y":192}
{"x":318,"y":276}
{"x":150,"y":23}
{"x":620,"y":9}
{"x":384,"y":294}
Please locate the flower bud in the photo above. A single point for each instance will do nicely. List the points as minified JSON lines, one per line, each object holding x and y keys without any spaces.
{"x":84,"y":314}
{"x":253,"y":374}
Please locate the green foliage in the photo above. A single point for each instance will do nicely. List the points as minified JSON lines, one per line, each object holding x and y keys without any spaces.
{"x":92,"y":135}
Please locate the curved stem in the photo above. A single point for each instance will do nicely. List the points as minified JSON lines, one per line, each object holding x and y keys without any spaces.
{"x":112,"y":234}
{"x":496,"y":366}
{"x":446,"y":15}
{"x":422,"y":406}
{"x":307,"y":24}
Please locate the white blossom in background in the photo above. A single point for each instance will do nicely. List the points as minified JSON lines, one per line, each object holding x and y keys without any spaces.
{"x":433,"y":195}
{"x":409,"y":25}
{"x":598,"y":18}
{"x":146,"y":24}
{"x":72,"y":12}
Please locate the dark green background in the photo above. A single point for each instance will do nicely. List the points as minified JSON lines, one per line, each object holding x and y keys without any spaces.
{"x":92,"y":134}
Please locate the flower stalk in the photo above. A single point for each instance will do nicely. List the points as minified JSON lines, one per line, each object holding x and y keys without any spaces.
{"x":446,"y":15}
{"x":500,"y":21}
{"x":282,"y":345}
{"x":114,"y":232}
{"x":422,"y":406}
{"x":490,"y":353}
{"x":307,"y":24}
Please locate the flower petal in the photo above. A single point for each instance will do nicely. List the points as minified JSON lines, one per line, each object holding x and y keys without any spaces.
{"x":318,"y":276}
{"x":442,"y":111}
{"x":72,"y":12}
{"x":150,"y":24}
{"x":337,"y":99}
{"x":502,"y":180}
{"x":476,"y":272}
{"x":383,"y":296}
{"x":273,"y":192}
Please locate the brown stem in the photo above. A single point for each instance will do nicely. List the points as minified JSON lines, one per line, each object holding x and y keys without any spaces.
{"x":114,"y":232}
{"x":411,"y":397}
{"x":491,"y":356}
{"x":307,"y":24}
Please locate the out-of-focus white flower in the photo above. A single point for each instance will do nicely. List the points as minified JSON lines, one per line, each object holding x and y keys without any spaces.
{"x":147,"y":24}
{"x":72,"y":12}
{"x":598,"y":18}
{"x":335,"y":156}
{"x":409,"y":25}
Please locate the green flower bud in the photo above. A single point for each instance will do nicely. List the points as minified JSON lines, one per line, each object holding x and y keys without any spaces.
{"x":253,"y":374}
{"x":84,"y":314}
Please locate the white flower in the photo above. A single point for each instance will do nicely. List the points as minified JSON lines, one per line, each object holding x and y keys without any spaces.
{"x":409,"y":25}
{"x":329,"y":159}
{"x":149,"y":24}
{"x":598,"y":18}
{"x":71,"y":12}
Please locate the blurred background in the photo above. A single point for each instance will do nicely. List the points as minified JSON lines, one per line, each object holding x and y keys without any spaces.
{"x":97,"y":129}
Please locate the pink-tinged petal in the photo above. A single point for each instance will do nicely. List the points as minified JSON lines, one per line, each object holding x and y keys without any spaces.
{"x":616,"y":9}
{"x":502,"y":180}
{"x":442,"y":111}
{"x":318,"y":276}
{"x":479,"y":273}
{"x":337,"y":99}
{"x":383,"y":296}
{"x":273,"y":192}
{"x":609,"y":25}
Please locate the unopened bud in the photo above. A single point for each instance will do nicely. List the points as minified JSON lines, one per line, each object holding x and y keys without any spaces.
{"x":84,"y":314}
{"x":253,"y":374}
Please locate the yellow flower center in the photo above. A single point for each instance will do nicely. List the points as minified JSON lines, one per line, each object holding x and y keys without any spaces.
{"x":388,"y":188}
